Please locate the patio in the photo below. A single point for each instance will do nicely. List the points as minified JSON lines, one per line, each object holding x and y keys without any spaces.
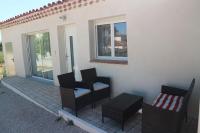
{"x":47,"y":96}
{"x":21,"y":116}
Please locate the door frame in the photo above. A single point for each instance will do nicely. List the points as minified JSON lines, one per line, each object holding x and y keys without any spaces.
{"x":33,"y":34}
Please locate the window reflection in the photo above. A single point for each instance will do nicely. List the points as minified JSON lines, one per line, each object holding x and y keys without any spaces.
{"x":104,"y":40}
{"x":120,"y":38}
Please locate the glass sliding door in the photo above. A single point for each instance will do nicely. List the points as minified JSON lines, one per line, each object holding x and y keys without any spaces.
{"x":41,"y":57}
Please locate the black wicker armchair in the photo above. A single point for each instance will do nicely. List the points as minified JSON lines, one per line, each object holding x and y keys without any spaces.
{"x":74,"y":95}
{"x":100,"y":86}
{"x":160,"y":120}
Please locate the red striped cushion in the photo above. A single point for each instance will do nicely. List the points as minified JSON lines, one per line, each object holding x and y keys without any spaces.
{"x":168,"y":102}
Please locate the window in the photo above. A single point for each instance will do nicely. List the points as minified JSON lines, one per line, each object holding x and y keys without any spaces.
{"x":120,"y":38}
{"x":111,"y":39}
{"x":104,"y":40}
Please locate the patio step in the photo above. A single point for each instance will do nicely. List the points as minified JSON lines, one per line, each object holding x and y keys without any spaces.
{"x":36,"y":92}
{"x":80,"y":123}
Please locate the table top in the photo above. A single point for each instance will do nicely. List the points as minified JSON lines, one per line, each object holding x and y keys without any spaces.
{"x":123,"y":101}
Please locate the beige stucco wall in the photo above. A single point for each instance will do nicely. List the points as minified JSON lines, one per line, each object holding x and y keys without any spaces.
{"x":163,"y":44}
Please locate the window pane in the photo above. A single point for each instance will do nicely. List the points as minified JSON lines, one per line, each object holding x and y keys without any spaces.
{"x":120,"y":39}
{"x":104,"y":40}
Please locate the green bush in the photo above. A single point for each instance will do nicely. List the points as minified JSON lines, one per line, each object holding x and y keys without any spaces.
{"x":1,"y":57}
{"x":1,"y":47}
{"x":1,"y":54}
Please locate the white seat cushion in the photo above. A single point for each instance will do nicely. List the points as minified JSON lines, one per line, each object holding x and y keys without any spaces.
{"x":81,"y":92}
{"x":99,"y":86}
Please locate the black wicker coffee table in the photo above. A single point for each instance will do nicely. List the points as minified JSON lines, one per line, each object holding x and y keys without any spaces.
{"x":122,"y":107}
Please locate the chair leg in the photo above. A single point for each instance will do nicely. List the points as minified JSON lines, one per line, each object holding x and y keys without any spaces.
{"x":76,"y":113}
{"x":186,"y":116}
{"x":122,"y":125}
{"x":93,"y":105}
{"x":102,"y":119}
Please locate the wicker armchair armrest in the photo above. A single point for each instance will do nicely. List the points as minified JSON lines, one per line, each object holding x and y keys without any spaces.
{"x":105,"y":80}
{"x":68,"y":97}
{"x":156,"y":120}
{"x":173,"y":91}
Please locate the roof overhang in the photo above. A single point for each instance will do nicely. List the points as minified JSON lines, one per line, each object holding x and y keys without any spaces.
{"x":45,"y":11}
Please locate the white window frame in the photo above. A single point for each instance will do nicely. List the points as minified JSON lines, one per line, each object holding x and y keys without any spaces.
{"x":110,"y":21}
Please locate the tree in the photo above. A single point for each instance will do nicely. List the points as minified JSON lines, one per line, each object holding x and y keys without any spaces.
{"x":1,"y":54}
{"x":1,"y":48}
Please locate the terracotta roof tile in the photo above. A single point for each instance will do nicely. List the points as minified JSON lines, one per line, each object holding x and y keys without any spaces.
{"x":44,"y":11}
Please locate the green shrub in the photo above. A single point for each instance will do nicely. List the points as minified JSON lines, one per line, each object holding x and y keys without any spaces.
{"x":1,"y":57}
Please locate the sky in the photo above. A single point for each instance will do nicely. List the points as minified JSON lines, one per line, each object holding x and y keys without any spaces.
{"x":11,"y":8}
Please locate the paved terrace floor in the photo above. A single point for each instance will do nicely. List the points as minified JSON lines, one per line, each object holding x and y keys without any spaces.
{"x":18,"y":115}
{"x":48,"y":96}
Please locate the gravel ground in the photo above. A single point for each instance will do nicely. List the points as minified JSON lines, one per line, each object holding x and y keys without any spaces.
{"x":18,"y":115}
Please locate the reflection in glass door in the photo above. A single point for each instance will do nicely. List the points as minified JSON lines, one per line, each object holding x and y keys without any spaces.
{"x":41,"y":57}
